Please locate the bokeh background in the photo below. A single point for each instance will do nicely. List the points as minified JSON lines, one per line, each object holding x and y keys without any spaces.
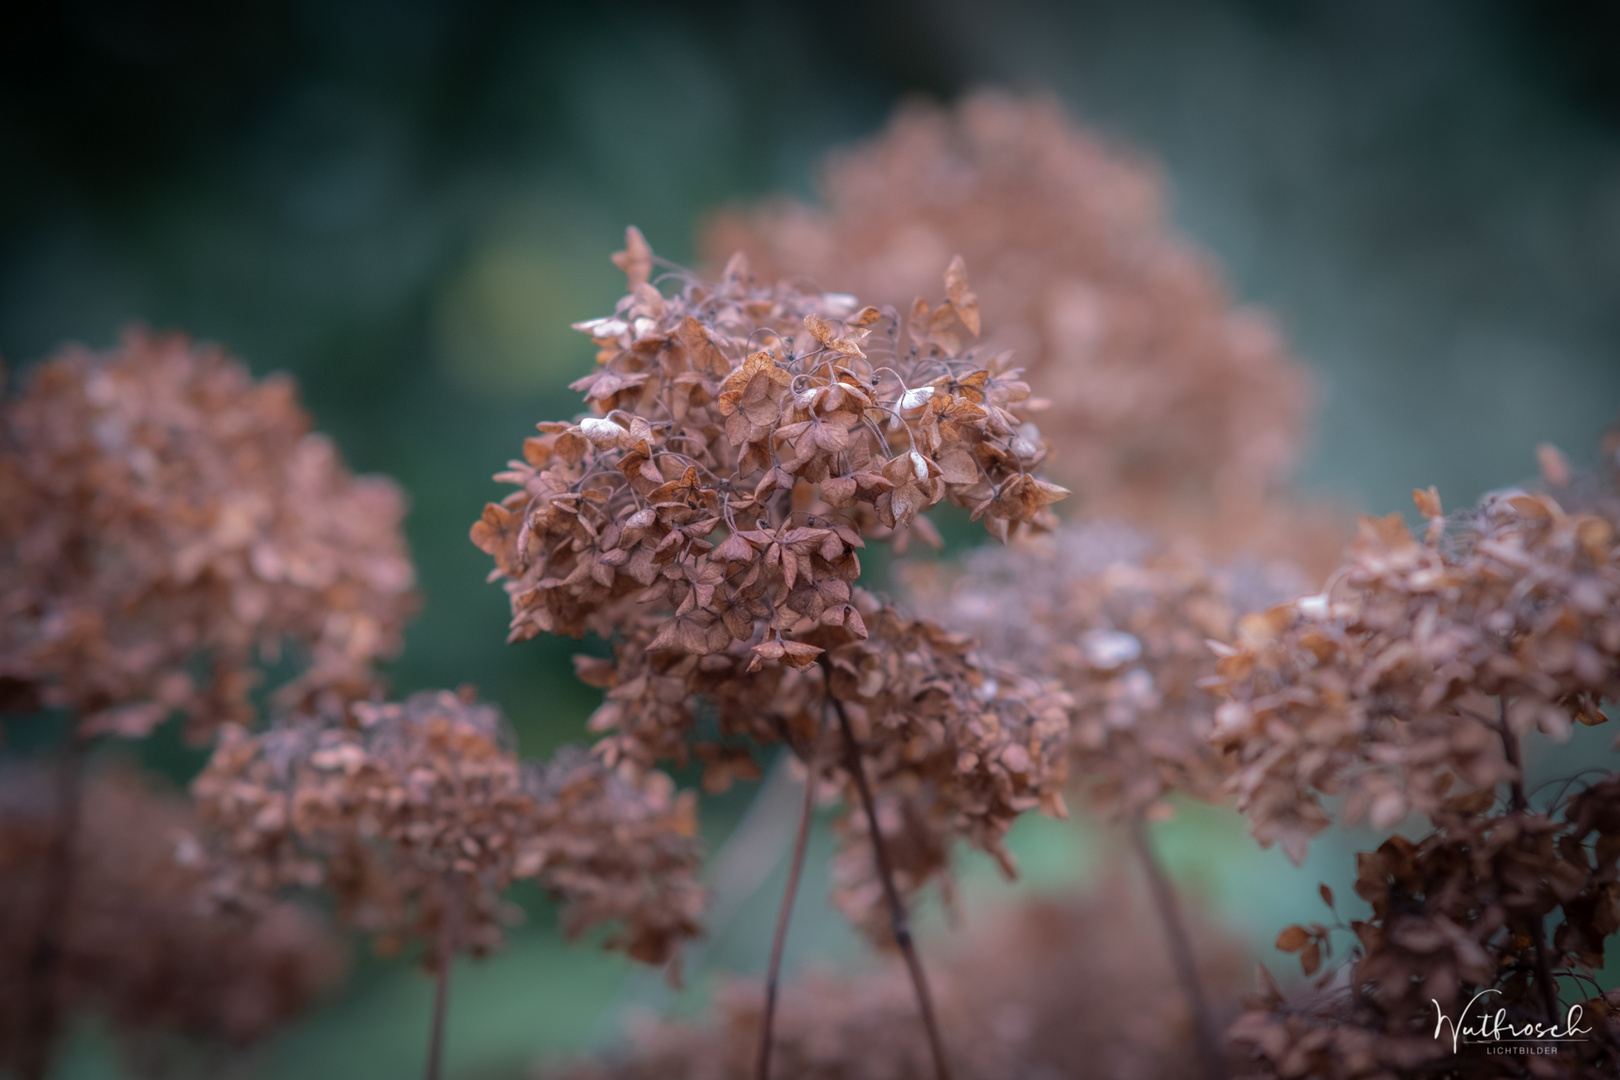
{"x":406,"y":202}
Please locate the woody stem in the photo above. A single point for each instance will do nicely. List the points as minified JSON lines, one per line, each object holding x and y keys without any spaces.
{"x":44,"y":1002}
{"x":441,"y":988}
{"x":801,"y":841}
{"x":1181,"y":952}
{"x":880,"y":853}
{"x":1520,"y":805}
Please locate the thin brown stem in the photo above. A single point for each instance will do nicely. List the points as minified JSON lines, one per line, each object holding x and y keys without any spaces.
{"x":1520,"y":805}
{"x":44,"y":1001}
{"x":880,"y":853}
{"x":801,"y":842}
{"x":1181,"y":952}
{"x":441,"y":986}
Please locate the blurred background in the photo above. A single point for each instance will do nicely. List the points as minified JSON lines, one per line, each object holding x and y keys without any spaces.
{"x":406,"y":202}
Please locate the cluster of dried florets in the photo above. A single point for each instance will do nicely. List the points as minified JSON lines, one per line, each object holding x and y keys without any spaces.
{"x":1168,"y":407}
{"x":1047,"y":988}
{"x":752,"y":436}
{"x":1125,"y":625}
{"x":955,"y":744}
{"x":788,"y":424}
{"x":169,"y":523}
{"x":130,"y":938}
{"x":1421,"y":665}
{"x":418,"y":816}
{"x":1457,"y":914}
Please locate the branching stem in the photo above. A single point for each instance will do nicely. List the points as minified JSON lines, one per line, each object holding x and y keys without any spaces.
{"x":880,"y":854}
{"x":44,"y":1001}
{"x":1521,"y":807}
{"x":441,"y":986}
{"x":1181,"y":952}
{"x":801,"y":842}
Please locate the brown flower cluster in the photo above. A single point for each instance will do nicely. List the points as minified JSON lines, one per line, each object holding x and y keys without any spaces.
{"x":1455,"y":914}
{"x":170,"y":522}
{"x":1168,"y":407}
{"x":750,"y":438}
{"x":1125,"y":625}
{"x":955,"y":745}
{"x":137,"y":944}
{"x":1421,"y":664}
{"x":1047,"y":988}
{"x":789,"y":425}
{"x":418,"y":816}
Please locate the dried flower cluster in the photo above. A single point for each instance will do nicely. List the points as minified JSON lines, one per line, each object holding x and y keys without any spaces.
{"x":1047,"y":988}
{"x":1419,"y":664}
{"x":751,"y":437}
{"x":1455,"y":914}
{"x":169,"y":522}
{"x":1124,"y":624}
{"x":138,"y":946}
{"x":1168,"y":406}
{"x":418,"y":816}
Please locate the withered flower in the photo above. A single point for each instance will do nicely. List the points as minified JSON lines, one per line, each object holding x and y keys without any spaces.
{"x":1124,"y":624}
{"x":418,"y":816}
{"x":170,"y":524}
{"x":1457,"y":914}
{"x":138,"y":944}
{"x":752,"y":438}
{"x":1417,"y":670}
{"x":1167,"y":406}
{"x":747,"y":438}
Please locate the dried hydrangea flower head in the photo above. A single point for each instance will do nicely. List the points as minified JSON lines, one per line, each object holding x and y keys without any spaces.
{"x":1167,"y":406}
{"x":787,"y":424}
{"x":1417,"y":670}
{"x":171,"y":522}
{"x":1456,"y":914}
{"x":1124,"y":624}
{"x":137,"y":947}
{"x":418,"y":816}
{"x":1054,"y":987}
{"x":750,"y":438}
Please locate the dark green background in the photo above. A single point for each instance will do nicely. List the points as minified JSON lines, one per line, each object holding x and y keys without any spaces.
{"x":405,"y":203}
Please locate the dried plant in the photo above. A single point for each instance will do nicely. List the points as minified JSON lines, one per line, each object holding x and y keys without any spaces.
{"x":1045,"y":988}
{"x":138,"y":945}
{"x":748,"y":439}
{"x":1457,"y":915}
{"x":1408,"y":685}
{"x":1166,"y":405}
{"x":169,"y":522}
{"x":1419,"y":668}
{"x":1124,"y":624}
{"x":418,"y":816}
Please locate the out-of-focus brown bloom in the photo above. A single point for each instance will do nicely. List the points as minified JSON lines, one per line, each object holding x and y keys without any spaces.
{"x":139,"y":945}
{"x":1393,"y":686}
{"x":1456,"y":914}
{"x":749,"y":439}
{"x":1047,"y":988}
{"x":169,"y":522}
{"x":420,"y":812}
{"x":1124,"y":625}
{"x":1167,"y":406}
